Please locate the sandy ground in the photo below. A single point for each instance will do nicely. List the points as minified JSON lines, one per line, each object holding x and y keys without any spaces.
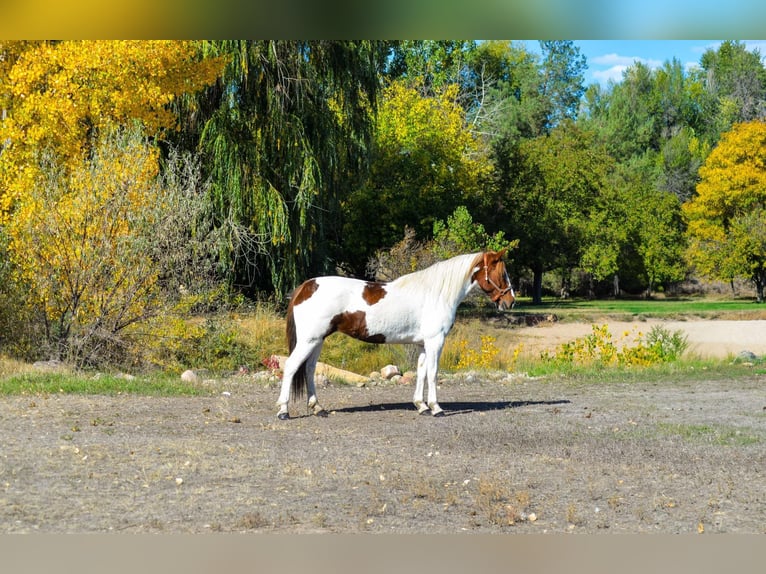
{"x":709,"y":339}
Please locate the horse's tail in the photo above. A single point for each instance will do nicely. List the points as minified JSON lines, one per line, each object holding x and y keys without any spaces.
{"x":299,"y":383}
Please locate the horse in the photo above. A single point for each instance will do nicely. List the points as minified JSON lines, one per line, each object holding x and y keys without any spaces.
{"x":417,"y":308}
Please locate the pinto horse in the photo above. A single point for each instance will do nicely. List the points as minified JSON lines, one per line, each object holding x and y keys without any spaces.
{"x":417,"y":308}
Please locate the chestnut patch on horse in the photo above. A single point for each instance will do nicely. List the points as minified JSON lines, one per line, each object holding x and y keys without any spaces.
{"x":373,"y":292}
{"x":305,"y":291}
{"x":354,"y":324}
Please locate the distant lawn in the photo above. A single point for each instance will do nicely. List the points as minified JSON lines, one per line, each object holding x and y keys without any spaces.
{"x":628,"y":309}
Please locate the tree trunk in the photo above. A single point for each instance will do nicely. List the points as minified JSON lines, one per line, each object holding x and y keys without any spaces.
{"x":537,"y":286}
{"x":759,"y":284}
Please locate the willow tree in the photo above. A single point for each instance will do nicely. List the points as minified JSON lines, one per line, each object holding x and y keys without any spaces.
{"x":284,"y":134}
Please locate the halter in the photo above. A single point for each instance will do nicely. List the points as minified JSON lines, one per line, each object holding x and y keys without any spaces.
{"x":488,"y":279}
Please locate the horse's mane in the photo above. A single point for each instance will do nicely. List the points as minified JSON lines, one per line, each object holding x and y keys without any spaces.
{"x":447,"y":278}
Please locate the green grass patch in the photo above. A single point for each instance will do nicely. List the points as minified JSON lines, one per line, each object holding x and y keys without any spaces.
{"x":709,"y":434}
{"x":632,"y":309}
{"x":679,"y":371}
{"x":97,"y":384}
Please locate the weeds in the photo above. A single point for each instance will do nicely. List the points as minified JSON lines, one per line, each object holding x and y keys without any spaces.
{"x":633,"y":349}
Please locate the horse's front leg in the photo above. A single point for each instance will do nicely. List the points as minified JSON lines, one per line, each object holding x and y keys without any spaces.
{"x":433,"y":352}
{"x":417,"y":399}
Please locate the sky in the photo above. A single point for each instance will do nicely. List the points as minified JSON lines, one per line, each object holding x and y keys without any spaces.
{"x":607,"y":59}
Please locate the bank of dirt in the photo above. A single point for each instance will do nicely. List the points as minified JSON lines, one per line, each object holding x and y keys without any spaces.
{"x":514,"y":454}
{"x":708,"y":339}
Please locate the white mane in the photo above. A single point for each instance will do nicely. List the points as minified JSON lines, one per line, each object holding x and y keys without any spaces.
{"x":449,"y":279}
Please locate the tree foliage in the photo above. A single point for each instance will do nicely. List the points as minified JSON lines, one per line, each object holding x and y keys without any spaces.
{"x":103,"y":246}
{"x":57,"y":95}
{"x":555,"y":189}
{"x":284,"y":135}
{"x":726,"y":218}
{"x":425,"y":163}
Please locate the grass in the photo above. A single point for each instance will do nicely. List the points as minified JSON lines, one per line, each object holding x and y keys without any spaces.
{"x":261,"y":333}
{"x":709,"y":434}
{"x":637,"y":309}
{"x":31,"y":383}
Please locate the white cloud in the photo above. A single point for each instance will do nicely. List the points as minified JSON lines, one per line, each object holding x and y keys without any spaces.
{"x":617,"y":60}
{"x":614,"y":73}
{"x":616,"y":65}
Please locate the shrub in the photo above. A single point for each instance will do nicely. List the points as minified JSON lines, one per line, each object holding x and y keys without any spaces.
{"x":108,"y":246}
{"x":598,"y":348}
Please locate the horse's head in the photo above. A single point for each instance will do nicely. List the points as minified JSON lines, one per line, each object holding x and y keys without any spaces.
{"x":493,"y":279}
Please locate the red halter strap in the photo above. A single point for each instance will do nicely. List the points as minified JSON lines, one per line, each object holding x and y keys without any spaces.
{"x":488,"y":279}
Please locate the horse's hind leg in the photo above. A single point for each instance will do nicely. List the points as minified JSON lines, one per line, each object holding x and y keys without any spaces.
{"x":311,"y":364}
{"x":417,"y":399}
{"x":301,"y":354}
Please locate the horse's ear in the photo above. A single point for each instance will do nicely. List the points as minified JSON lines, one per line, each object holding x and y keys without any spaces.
{"x":502,"y":252}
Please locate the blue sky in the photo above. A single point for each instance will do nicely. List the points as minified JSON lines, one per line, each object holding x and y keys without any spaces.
{"x":608,"y":58}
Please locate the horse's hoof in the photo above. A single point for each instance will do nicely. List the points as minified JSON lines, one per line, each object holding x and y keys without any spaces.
{"x":424,"y":411}
{"x":322,"y":413}
{"x":439,"y":414}
{"x":283,"y":416}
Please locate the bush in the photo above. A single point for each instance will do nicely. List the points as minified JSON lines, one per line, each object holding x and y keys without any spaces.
{"x":598,"y":349}
{"x":107,"y":247}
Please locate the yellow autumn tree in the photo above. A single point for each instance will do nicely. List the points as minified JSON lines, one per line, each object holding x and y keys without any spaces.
{"x":83,"y":207}
{"x":426,"y":163}
{"x":727,"y":218}
{"x":108,"y":245}
{"x":56,"y":95}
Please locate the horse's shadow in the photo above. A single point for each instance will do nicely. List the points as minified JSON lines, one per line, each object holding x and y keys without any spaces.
{"x":452,"y":408}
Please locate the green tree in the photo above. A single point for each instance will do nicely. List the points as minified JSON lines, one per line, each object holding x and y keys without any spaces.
{"x":460,"y":234}
{"x":555,"y":186}
{"x":425,"y":163}
{"x":736,"y":80}
{"x":725,"y":218}
{"x":285,"y":137}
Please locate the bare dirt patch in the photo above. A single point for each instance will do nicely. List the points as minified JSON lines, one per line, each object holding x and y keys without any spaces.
{"x":710,"y":339}
{"x":512,"y":455}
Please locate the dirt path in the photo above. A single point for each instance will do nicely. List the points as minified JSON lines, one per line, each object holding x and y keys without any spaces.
{"x":712,"y":339}
{"x":513,"y":455}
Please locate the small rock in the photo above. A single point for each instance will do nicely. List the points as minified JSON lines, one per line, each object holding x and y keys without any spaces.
{"x":389,"y":371}
{"x":396,"y":379}
{"x":321,"y":380}
{"x":747,"y":356}
{"x":190,"y":376}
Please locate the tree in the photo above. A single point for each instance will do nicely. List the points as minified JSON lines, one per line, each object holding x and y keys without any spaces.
{"x":555,"y":186}
{"x":59,"y":94}
{"x":736,"y":78}
{"x":460,"y":234}
{"x":285,"y":137}
{"x":425,"y":163}
{"x":725,"y":219}
{"x":107,"y":245}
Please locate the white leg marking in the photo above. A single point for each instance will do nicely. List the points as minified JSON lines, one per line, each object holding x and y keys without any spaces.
{"x":301,"y":352}
{"x":433,"y":352}
{"x":417,"y":398}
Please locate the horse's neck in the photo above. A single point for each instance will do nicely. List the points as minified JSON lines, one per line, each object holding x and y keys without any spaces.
{"x":449,"y":288}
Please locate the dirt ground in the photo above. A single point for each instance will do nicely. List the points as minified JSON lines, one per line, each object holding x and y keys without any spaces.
{"x":717,"y":339}
{"x":513,"y":454}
